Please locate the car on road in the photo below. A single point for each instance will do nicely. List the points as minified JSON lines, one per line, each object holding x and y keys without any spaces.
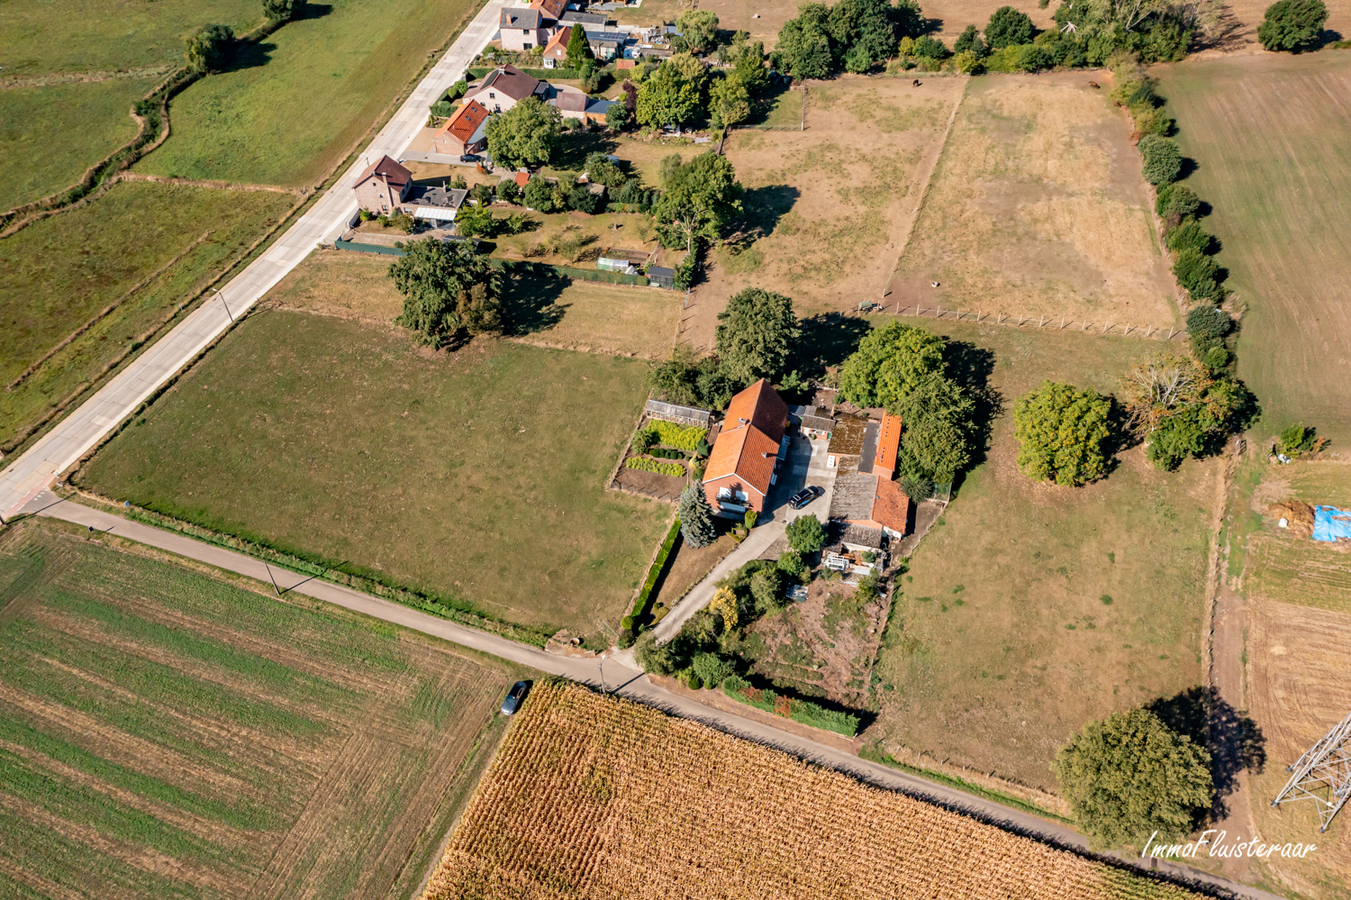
{"x":805,"y":496}
{"x":514,"y":697}
{"x":471,"y":158}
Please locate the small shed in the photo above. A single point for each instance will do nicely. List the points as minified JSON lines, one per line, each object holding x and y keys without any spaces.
{"x":660,"y":276}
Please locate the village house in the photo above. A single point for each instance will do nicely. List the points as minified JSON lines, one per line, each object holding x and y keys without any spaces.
{"x":504,"y":87}
{"x":741,"y":467}
{"x":864,"y":452}
{"x":466,"y":131}
{"x":574,"y":104}
{"x":383,"y":186}
{"x":522,"y":29}
{"x":556,"y":51}
{"x":551,"y":10}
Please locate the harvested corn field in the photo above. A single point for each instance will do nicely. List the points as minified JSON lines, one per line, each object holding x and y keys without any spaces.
{"x":569,"y":808}
{"x":165,"y":733}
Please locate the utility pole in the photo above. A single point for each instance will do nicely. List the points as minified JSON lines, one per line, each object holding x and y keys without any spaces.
{"x":223,"y":303}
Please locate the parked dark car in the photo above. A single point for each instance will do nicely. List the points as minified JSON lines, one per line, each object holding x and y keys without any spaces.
{"x":514,"y":697}
{"x":471,"y":158}
{"x":805,"y":496}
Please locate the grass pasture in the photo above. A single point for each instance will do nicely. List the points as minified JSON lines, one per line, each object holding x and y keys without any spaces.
{"x":293,"y":107}
{"x":478,"y":474}
{"x":1037,"y":207}
{"x":59,"y":274}
{"x":568,"y":809}
{"x":61,"y":36}
{"x":1273,"y":156}
{"x":168,"y":733}
{"x":1030,"y":609}
{"x":826,"y":209}
{"x":50,"y":135}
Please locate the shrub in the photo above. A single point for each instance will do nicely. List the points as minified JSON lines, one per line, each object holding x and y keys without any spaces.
{"x":442,"y":109}
{"x":1008,"y":27}
{"x":1206,"y":327}
{"x":644,"y":440}
{"x":803,"y":711}
{"x":693,"y":681}
{"x":790,"y":563}
{"x":1179,"y":200}
{"x":1293,"y":25}
{"x":676,"y":470}
{"x":1162,"y":159}
{"x":969,"y":42}
{"x":626,"y":622}
{"x":1217,"y":358}
{"x":1197,"y":273}
{"x":665,"y":453}
{"x":711,"y":668}
{"x":1187,"y":236}
{"x":805,"y":534}
{"x":968,"y":63}
{"x":929,"y":47}
{"x":1297,"y":439}
{"x":749,"y":519}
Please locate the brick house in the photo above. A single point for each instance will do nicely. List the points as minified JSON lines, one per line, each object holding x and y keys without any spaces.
{"x":464,"y":132}
{"x":522,"y":29}
{"x":383,"y":186}
{"x":504,"y":87}
{"x":741,"y":467}
{"x":556,"y":50}
{"x":551,"y":10}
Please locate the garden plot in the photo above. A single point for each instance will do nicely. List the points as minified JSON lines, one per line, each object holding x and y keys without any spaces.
{"x":1037,"y":207}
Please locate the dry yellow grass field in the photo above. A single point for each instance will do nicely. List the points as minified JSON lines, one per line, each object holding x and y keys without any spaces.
{"x":1296,"y":690}
{"x":572,"y":315}
{"x":1037,"y":206}
{"x":827,"y":209}
{"x":593,"y":796}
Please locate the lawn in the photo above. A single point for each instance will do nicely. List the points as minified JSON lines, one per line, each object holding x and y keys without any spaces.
{"x":576,"y":315}
{"x":295,"y":106}
{"x":827,"y":209}
{"x":588,"y":792}
{"x":168,"y":732}
{"x":50,"y":135}
{"x":1273,"y":159}
{"x":478,"y":474}
{"x":1037,"y":206}
{"x":145,"y":247}
{"x":42,"y":36}
{"x":1030,"y":609}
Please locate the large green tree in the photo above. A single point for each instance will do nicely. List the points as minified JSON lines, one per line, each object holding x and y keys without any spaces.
{"x":754,"y":335}
{"x":447,"y":288}
{"x":1162,"y":159}
{"x":278,"y":10}
{"x":747,"y":59}
{"x":1062,"y":433}
{"x":525,"y":135}
{"x":1008,"y":27}
{"x":729,"y":101}
{"x":208,"y":47}
{"x":1293,"y":25}
{"x":579,"y":48}
{"x":1180,"y":406}
{"x":696,"y":517}
{"x":806,"y":534}
{"x":804,"y":50}
{"x":1131,"y":775}
{"x":698,"y":198}
{"x":672,"y":95}
{"x":699,"y":28}
{"x":888,"y":363}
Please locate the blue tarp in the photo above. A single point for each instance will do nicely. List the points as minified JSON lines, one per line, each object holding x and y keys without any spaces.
{"x":1331,"y":523}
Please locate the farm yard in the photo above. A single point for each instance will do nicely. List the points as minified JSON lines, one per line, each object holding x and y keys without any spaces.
{"x":567,"y":809}
{"x":171,"y":733}
{"x":1271,"y":149}
{"x":332,"y":439}
{"x":62,"y":274}
{"x":255,"y":122}
{"x":826,"y":209}
{"x":1030,"y":609}
{"x":1037,"y":207}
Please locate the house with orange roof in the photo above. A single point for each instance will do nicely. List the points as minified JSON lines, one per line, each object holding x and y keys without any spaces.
{"x":466,"y":131}
{"x":888,"y":445}
{"x":551,"y":10}
{"x":741,"y":467}
{"x":556,"y":51}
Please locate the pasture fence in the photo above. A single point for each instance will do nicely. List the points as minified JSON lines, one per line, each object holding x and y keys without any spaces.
{"x":1017,"y":320}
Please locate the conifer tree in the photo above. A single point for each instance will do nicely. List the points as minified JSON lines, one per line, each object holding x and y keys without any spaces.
{"x":696,"y":517}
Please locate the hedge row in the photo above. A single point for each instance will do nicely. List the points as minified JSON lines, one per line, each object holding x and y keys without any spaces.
{"x":649,"y":465}
{"x":803,"y":711}
{"x":541,"y":74}
{"x":681,"y":437}
{"x":645,"y":595}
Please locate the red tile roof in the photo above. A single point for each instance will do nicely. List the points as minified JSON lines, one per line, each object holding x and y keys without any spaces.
{"x":557,"y":48}
{"x":891,"y":507}
{"x":551,"y":8}
{"x":749,"y":441}
{"x":888,"y":444}
{"x":465,"y":121}
{"x":389,"y":170}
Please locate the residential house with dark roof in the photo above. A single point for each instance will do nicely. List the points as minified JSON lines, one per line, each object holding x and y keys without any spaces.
{"x":438,"y":204}
{"x":466,"y":131}
{"x":382,"y":186}
{"x":573,"y":104}
{"x":572,"y":17}
{"x":741,"y":467}
{"x":504,"y":87}
{"x":522,"y":29}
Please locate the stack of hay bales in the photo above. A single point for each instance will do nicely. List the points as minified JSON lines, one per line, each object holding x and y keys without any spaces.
{"x":1298,"y":517}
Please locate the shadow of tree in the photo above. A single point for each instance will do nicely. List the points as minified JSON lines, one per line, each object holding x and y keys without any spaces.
{"x":971,"y":367}
{"x":1235,"y":741}
{"x":827,"y":340}
{"x":530,"y":303}
{"x":761,"y":210}
{"x":574,"y":148}
{"x":249,"y":55}
{"x":301,"y":11}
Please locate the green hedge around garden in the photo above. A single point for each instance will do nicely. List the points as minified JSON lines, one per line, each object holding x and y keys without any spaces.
{"x":803,"y":711}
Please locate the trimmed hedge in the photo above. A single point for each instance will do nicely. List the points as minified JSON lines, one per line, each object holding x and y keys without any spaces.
{"x":658,"y":564}
{"x":803,"y":711}
{"x":542,"y":74}
{"x":675,"y":470}
{"x":664,"y":453}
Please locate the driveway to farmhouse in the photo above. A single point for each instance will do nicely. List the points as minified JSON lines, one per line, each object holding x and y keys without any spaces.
{"x":95,"y":419}
{"x":805,"y":465}
{"x":611,"y":675}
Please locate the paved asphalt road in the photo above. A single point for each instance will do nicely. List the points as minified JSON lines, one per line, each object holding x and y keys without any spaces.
{"x":93,"y":420}
{"x":607,"y":674}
